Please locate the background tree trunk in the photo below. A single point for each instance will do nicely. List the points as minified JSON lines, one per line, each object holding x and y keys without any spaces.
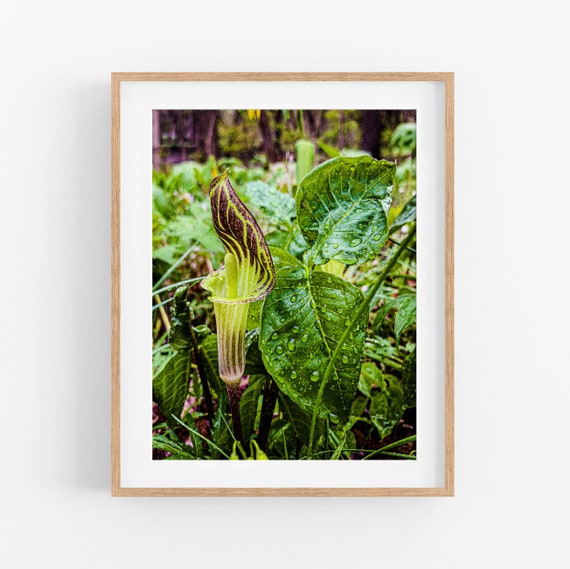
{"x":371,"y":126}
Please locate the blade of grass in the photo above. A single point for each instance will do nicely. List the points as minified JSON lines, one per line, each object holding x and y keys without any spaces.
{"x":207,"y":440}
{"x":391,"y":446}
{"x":176,"y":285}
{"x":173,"y":267}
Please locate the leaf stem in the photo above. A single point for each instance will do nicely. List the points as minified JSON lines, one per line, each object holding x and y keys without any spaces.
{"x":364,"y":307}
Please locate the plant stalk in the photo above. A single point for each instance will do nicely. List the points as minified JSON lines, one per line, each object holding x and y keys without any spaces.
{"x":364,"y":307}
{"x":267,"y":408}
{"x":234,"y":396}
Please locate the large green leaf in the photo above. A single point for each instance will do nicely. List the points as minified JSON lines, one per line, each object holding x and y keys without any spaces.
{"x":170,"y":385}
{"x":342,"y":209}
{"x":302,"y":322}
{"x":208,"y":356}
{"x":300,"y":420}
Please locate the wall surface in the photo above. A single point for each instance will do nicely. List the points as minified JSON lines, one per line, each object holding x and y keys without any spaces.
{"x":512,"y":501}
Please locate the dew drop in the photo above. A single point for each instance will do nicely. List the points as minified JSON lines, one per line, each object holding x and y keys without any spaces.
{"x":304,"y":338}
{"x":291,"y":345}
{"x":315,"y":376}
{"x":329,"y":280}
{"x":295,"y":329}
{"x":347,"y":322}
{"x":279,"y":349}
{"x":335,"y":245}
{"x":293,"y":299}
{"x":344,"y":359}
{"x":377,"y":237}
{"x":356,"y":241}
{"x":293,"y":374}
{"x":274,"y":336}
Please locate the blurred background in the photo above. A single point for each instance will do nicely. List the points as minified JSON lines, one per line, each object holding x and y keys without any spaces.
{"x":180,"y":135}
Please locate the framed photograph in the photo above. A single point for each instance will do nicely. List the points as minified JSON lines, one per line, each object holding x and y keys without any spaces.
{"x":282,"y":284}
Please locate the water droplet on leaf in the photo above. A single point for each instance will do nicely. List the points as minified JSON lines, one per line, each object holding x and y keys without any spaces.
{"x":274,"y":336}
{"x":315,"y":376}
{"x":293,"y":374}
{"x":291,"y":345}
{"x":356,"y":241}
{"x":279,"y":349}
{"x":293,"y":299}
{"x":344,"y":359}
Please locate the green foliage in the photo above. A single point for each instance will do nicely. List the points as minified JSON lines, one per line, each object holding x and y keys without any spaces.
{"x":387,"y":406}
{"x":302,"y":323}
{"x":403,"y":141}
{"x":330,"y":372}
{"x":342,"y":209}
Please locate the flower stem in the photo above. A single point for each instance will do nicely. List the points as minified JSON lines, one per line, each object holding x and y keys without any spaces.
{"x":234,"y":396}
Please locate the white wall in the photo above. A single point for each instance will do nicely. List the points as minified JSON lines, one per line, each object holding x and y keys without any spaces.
{"x":512,"y":201}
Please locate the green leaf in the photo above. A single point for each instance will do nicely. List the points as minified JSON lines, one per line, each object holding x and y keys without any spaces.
{"x":403,"y":139}
{"x":278,"y":207}
{"x":170,"y":385}
{"x":407,"y":215}
{"x":301,"y":324}
{"x":291,"y":241}
{"x":299,"y":420}
{"x":370,"y":376}
{"x":180,"y":320}
{"x":387,"y":406}
{"x":208,"y":354}
{"x":342,"y":209}
{"x":176,"y":448}
{"x":406,"y":315}
{"x":194,"y":227}
{"x":188,"y":174}
{"x":249,"y":404}
{"x":253,"y":359}
{"x":168,"y":254}
{"x":161,"y":203}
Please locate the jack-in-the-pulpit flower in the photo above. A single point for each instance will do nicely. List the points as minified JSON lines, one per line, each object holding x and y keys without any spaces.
{"x":247,"y":275}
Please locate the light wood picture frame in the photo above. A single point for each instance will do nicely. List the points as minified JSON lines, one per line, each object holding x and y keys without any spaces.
{"x":134,"y":97}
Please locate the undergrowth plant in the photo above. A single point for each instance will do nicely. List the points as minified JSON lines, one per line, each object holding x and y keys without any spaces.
{"x":314,"y":311}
